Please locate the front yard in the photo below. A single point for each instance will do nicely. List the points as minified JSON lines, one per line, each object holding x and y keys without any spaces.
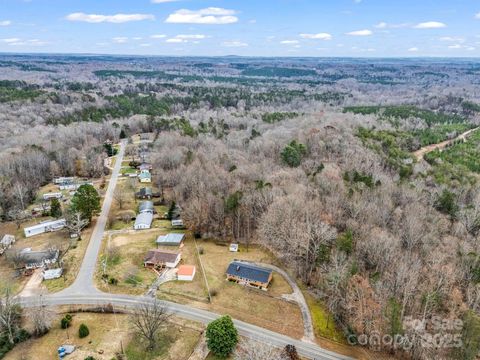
{"x":109,"y":333}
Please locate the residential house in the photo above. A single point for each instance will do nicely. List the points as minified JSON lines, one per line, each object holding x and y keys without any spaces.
{"x":43,"y":227}
{"x":50,"y":196}
{"x":144,"y":193}
{"x":158,"y":259}
{"x":249,"y":274}
{"x":146,"y":207}
{"x":38,"y":259}
{"x":61,"y":180}
{"x":171,"y":239}
{"x":143,"y":221}
{"x":145,"y":177}
{"x":186,"y":272}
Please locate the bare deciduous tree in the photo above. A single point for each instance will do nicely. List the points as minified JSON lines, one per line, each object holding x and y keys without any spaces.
{"x":149,"y":319}
{"x":10,"y":312}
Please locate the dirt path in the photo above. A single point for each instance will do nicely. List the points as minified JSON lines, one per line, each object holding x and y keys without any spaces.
{"x":441,"y":145}
{"x":33,"y":285}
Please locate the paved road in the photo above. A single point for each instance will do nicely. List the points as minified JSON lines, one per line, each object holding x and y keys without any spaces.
{"x":83,"y":284}
{"x":305,"y":349}
{"x":83,"y":291}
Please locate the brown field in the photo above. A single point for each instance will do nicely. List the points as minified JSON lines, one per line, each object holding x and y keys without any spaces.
{"x":132,"y":248}
{"x":108,"y":334}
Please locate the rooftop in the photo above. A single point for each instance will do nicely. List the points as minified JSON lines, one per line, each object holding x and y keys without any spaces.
{"x":249,"y":271}
{"x":186,"y":270}
{"x":171,"y":238}
{"x":160,"y":257}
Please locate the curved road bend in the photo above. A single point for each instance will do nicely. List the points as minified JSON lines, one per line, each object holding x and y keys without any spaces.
{"x":305,"y":349}
{"x":83,"y":291}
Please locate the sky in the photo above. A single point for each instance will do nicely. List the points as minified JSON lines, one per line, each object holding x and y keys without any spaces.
{"x":323,"y":28}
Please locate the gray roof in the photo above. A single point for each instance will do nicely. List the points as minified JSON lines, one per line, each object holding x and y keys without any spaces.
{"x":146,"y":206}
{"x":170,"y":239}
{"x":38,"y":258}
{"x":249,"y":271}
{"x":144,"y":219}
{"x":160,"y":257}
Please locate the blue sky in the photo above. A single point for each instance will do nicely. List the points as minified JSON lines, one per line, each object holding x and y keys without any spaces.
{"x":359,"y":28}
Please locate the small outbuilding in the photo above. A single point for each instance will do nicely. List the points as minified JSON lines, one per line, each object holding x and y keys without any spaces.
{"x":145,"y":167}
{"x":249,"y":274}
{"x":158,"y":259}
{"x":177,"y":223}
{"x":186,"y":272}
{"x":146,"y":207}
{"x":143,"y":221}
{"x":233,"y":248}
{"x":171,"y":239}
{"x":52,"y":274}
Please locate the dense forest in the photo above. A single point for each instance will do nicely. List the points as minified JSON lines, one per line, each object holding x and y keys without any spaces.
{"x":313,"y":159}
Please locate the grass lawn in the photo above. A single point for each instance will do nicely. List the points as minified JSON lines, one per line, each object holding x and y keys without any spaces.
{"x":108,"y":334}
{"x":181,"y":291}
{"x":247,"y":304}
{"x":128,"y":268}
{"x":173,"y":343}
{"x":58,"y":239}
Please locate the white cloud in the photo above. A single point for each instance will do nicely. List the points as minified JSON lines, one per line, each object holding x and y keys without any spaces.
{"x":470,"y":48}
{"x":357,"y":1}
{"x":158,"y":36}
{"x":117,"y":18}
{"x":120,"y":39}
{"x":145,"y":45}
{"x":384,"y":25}
{"x":5,"y":22}
{"x":319,"y":36}
{"x":360,"y":33}
{"x":452,"y":39}
{"x":477,"y":15}
{"x":234,"y":44}
{"x":20,"y":42}
{"x":211,"y":15}
{"x":182,"y":38}
{"x":430,"y":25}
{"x":175,"y":40}
{"x":289,"y":42}
{"x":10,"y":40}
{"x":191,"y":36}
{"x":413,"y":49}
{"x":456,"y":46}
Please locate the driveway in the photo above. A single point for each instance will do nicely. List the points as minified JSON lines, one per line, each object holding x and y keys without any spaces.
{"x":297,"y":296}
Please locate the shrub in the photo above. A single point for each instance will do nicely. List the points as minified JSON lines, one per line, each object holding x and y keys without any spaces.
{"x":112,"y":281}
{"x":201,"y":250}
{"x":66,"y":321}
{"x":222,"y":336}
{"x":83,"y":331}
{"x":213,"y":292}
